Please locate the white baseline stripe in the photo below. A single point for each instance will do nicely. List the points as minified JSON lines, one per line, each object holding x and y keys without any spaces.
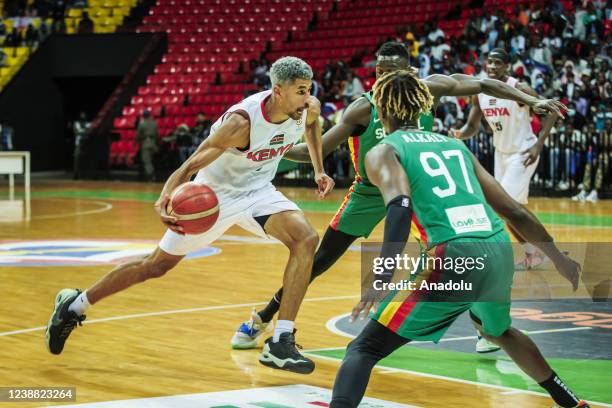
{"x":177,"y":311}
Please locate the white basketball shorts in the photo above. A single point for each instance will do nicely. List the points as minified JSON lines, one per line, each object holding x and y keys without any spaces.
{"x":235,"y":208}
{"x":513,"y":175}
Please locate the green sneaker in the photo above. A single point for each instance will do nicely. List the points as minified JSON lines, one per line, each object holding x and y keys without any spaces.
{"x":62,"y":321}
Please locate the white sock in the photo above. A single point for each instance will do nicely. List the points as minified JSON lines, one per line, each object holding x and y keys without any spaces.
{"x":80,"y":304}
{"x":529,"y":249}
{"x":282,"y":326}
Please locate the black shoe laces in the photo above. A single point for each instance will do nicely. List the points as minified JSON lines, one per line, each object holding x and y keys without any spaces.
{"x":291,"y":341}
{"x":70,"y":326}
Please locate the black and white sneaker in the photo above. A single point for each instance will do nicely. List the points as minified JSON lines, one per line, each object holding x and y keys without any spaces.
{"x":284,"y":355}
{"x":62,"y":321}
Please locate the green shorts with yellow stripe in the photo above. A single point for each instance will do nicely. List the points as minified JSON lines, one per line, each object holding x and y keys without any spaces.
{"x":361,"y":211}
{"x":425,"y":313}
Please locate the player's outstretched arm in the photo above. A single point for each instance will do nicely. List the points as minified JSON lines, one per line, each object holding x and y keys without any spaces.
{"x":313,"y":140}
{"x":527,"y":225}
{"x":234,"y":132}
{"x":473,"y":123}
{"x":466,"y":85}
{"x":385,"y":171}
{"x":356,"y":115}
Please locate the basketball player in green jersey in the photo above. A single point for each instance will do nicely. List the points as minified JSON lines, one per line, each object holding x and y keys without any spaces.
{"x":363,"y":207}
{"x":437,"y":179}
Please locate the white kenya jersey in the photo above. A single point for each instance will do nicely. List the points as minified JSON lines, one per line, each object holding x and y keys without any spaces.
{"x":511,"y":123}
{"x":255,"y":167}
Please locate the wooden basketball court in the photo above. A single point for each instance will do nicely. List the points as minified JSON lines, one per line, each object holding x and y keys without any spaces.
{"x":170,"y":336}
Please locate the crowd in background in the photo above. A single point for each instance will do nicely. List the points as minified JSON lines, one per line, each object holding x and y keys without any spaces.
{"x":159,"y":157}
{"x":561,"y":53}
{"x":23,"y":25}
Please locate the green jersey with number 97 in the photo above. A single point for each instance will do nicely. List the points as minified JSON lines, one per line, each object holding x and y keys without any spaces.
{"x":446,"y":195}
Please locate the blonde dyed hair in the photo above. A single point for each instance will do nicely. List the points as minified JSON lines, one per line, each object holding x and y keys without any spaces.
{"x":402,"y":95}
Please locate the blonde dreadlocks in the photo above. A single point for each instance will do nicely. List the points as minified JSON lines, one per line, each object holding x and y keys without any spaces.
{"x":402,"y":95}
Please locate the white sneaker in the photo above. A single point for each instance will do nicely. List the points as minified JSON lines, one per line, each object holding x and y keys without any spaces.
{"x":485,"y":346}
{"x":592,"y":197}
{"x":537,"y":259}
{"x":581,"y":196}
{"x":246,"y":336}
{"x":563,"y":186}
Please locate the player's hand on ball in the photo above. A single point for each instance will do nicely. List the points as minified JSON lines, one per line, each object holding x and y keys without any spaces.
{"x":546,"y":106}
{"x":532,"y":154}
{"x":160,"y":206}
{"x":325,"y":184}
{"x":569,"y":269}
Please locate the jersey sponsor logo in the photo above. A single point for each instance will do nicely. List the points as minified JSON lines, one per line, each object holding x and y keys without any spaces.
{"x":468,"y":218}
{"x":422,"y":138}
{"x":277,"y":139}
{"x":267,"y":154}
{"x":80,"y":252}
{"x":496,"y":112}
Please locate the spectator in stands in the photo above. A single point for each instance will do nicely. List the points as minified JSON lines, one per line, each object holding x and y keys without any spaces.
{"x":569,"y":88}
{"x":517,"y":43}
{"x":438,"y":50}
{"x":31,"y":36}
{"x":522,"y":15}
{"x":553,"y":42}
{"x":147,"y":136}
{"x":80,"y":128}
{"x":201,"y":130}
{"x":479,"y":72}
{"x":579,"y":20}
{"x":184,"y":141}
{"x":86,"y":25}
{"x":435,"y":33}
{"x":352,"y":88}
{"x":7,"y":134}
{"x":412,"y":44}
{"x":14,"y":39}
{"x":262,"y":78}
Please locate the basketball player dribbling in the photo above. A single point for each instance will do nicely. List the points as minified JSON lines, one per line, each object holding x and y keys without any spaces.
{"x":238,"y":161}
{"x":517,"y":149}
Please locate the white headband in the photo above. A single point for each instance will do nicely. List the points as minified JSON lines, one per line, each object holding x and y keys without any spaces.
{"x":388,"y":57}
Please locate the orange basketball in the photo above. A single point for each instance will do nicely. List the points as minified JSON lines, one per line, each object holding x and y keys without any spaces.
{"x":195,"y":206}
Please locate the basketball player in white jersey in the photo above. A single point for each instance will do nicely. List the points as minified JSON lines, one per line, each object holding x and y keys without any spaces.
{"x":238,"y":161}
{"x":517,"y":149}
